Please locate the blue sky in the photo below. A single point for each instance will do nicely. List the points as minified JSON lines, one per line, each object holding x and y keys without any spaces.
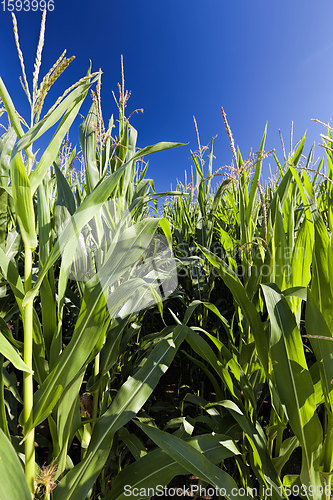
{"x":262,"y":61}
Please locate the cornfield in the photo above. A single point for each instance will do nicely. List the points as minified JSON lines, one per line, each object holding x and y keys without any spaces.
{"x":159,"y":342}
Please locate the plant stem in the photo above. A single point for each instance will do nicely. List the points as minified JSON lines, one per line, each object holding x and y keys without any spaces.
{"x":96,"y":394}
{"x":28,"y":378}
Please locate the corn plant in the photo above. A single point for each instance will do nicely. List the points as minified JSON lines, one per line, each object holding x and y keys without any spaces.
{"x":50,"y":215}
{"x":292,"y":221}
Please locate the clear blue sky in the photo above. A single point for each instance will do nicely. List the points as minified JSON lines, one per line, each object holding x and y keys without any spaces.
{"x":262,"y":60}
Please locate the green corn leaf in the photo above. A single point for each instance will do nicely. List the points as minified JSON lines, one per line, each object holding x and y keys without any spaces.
{"x":158,"y":468}
{"x":47,"y":295}
{"x":10,"y":273}
{"x":48,"y":121}
{"x":90,"y":328}
{"x":244,"y":226}
{"x":293,"y":380}
{"x":281,"y":192}
{"x":278,"y":253}
{"x":321,"y":271}
{"x":301,"y":261}
{"x":68,"y":420}
{"x":302,"y":255}
{"x":256,"y":177}
{"x":13,"y":484}
{"x":201,"y":347}
{"x":65,"y":196}
{"x":296,"y":291}
{"x":10,"y":353}
{"x":13,"y":115}
{"x":51,"y":152}
{"x":287,"y":447}
{"x":111,"y":348}
{"x":22,"y":196}
{"x":5,"y":330}
{"x":193,"y":461}
{"x":316,"y":326}
{"x":258,"y":442}
{"x":239,"y":293}
{"x":129,"y":400}
{"x":298,"y":153}
{"x":7,"y":142}
{"x":133,"y":443}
